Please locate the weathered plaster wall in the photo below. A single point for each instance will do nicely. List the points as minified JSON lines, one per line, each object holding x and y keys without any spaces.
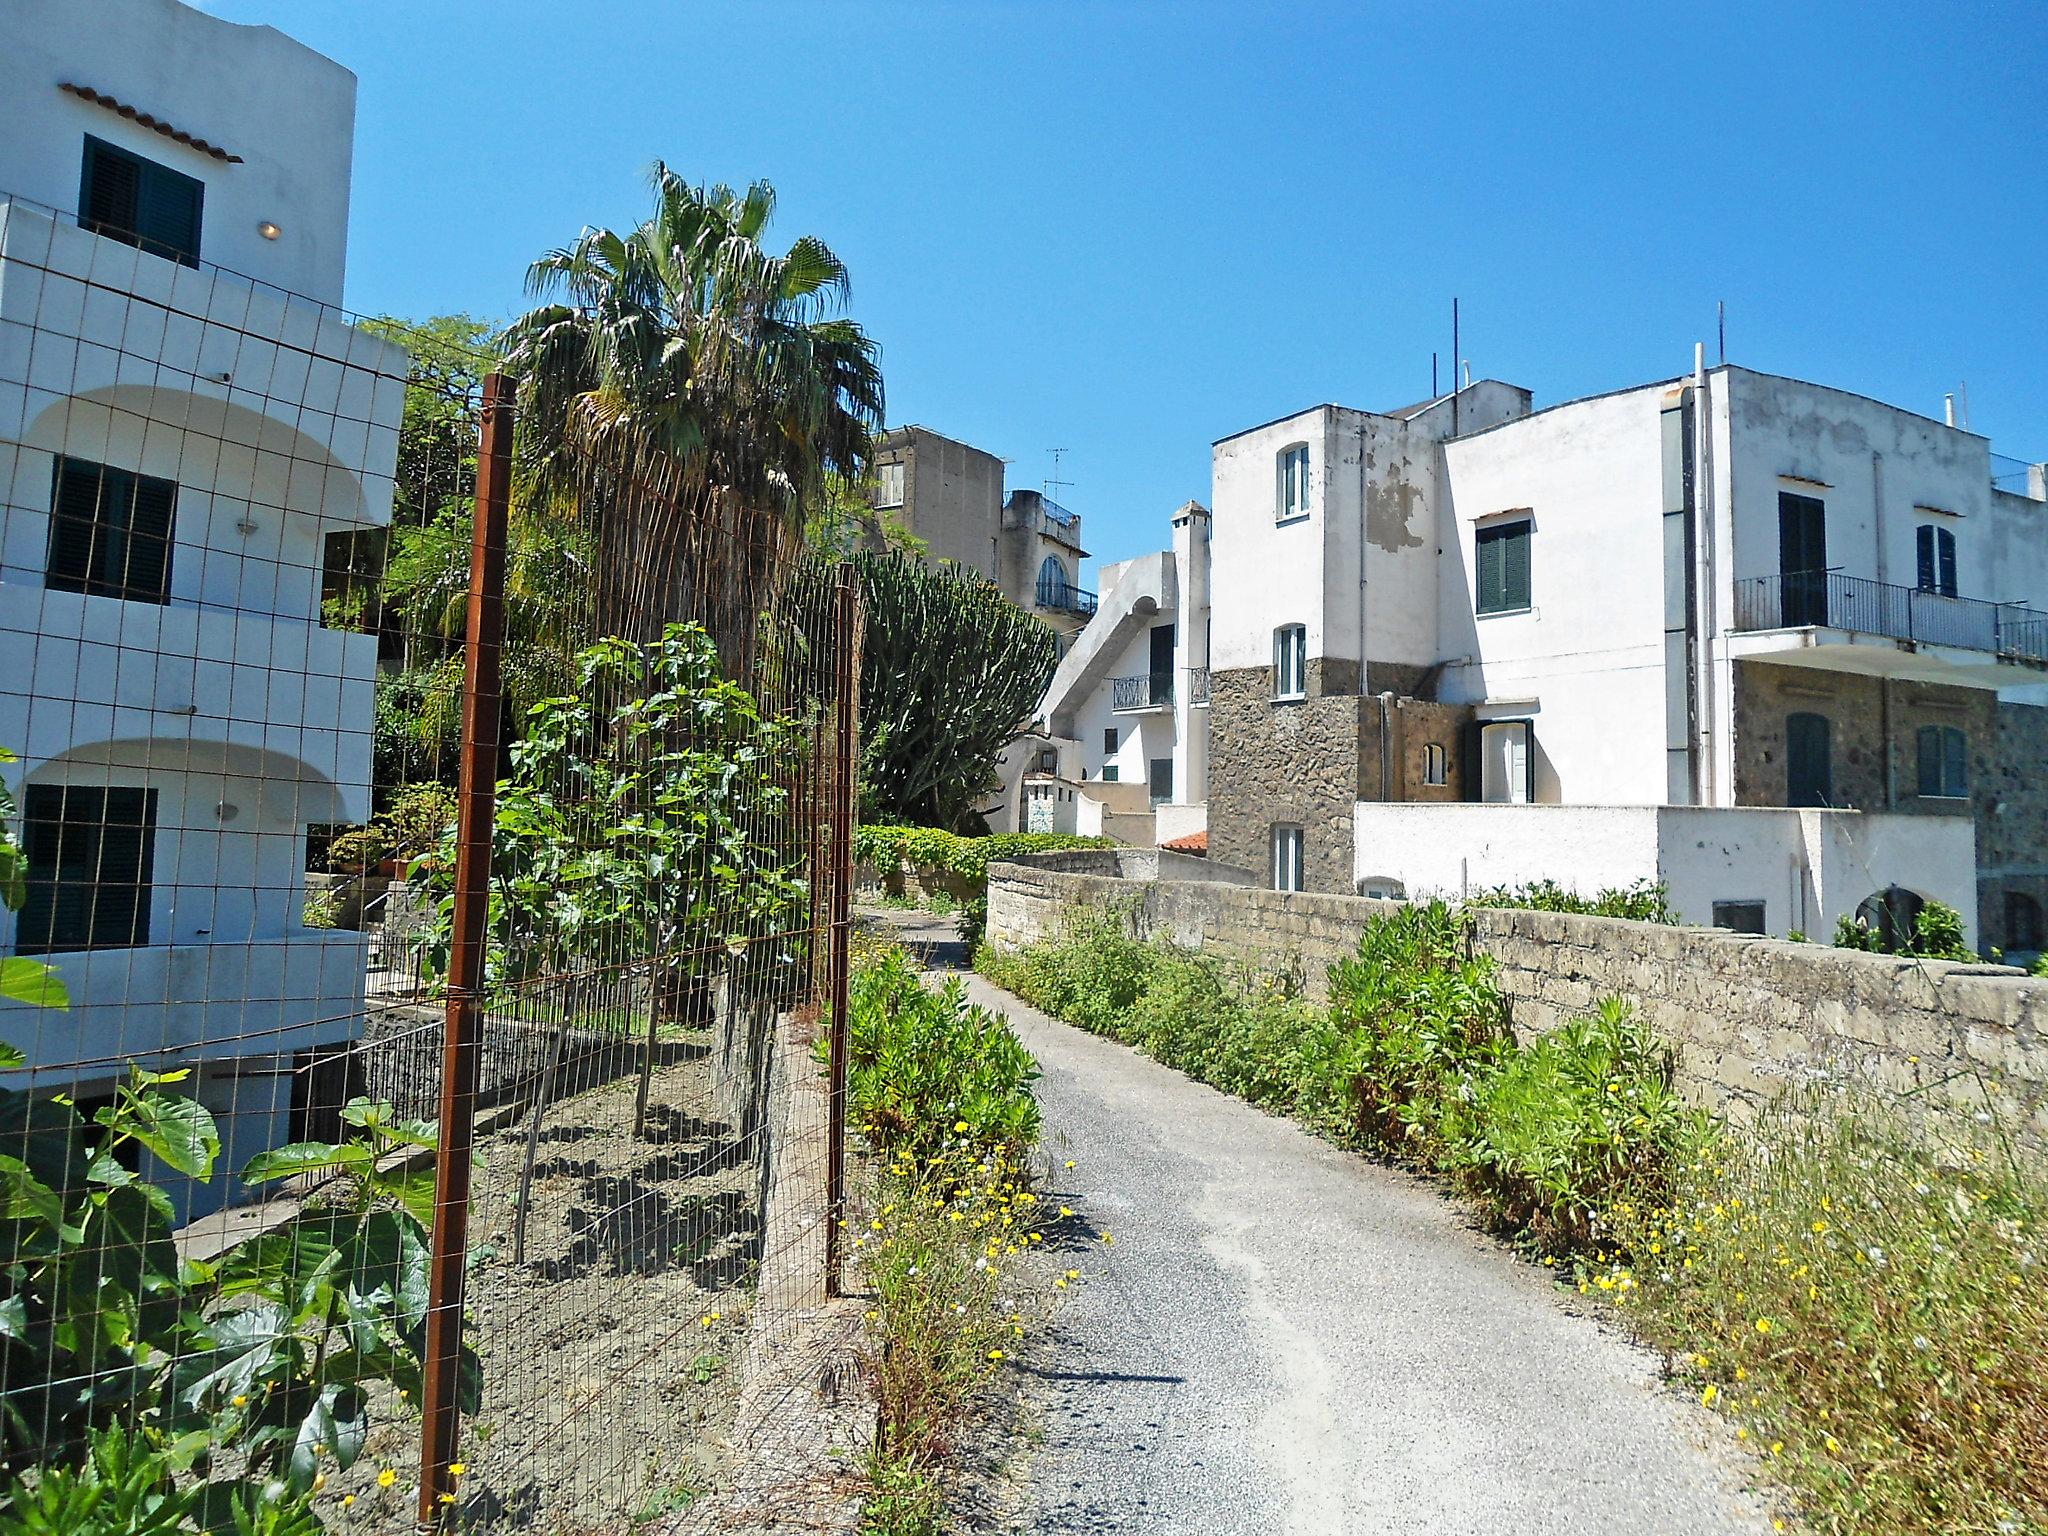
{"x":1749,"y":1017}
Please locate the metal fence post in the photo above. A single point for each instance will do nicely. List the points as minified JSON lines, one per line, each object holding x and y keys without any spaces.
{"x":839,"y":855}
{"x":480,"y":711}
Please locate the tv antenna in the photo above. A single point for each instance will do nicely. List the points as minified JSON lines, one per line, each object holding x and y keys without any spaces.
{"x":1053,"y":481}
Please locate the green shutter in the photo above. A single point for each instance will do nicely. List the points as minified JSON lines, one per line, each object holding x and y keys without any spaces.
{"x":1515,"y":568}
{"x":1928,"y":739}
{"x":1955,"y":762}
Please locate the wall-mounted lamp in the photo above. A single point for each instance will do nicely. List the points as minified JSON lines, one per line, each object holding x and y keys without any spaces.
{"x":245,"y":527}
{"x":226,"y":812}
{"x":268,"y":230}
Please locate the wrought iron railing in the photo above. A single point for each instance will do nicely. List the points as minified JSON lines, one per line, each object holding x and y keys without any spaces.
{"x":1148,"y":690}
{"x":1830,"y":600}
{"x":1060,"y":595}
{"x":1198,"y":685}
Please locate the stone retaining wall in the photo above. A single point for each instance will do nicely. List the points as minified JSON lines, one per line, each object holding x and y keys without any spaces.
{"x":1749,"y":1016}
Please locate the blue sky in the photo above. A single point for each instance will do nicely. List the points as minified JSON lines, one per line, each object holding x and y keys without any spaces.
{"x":1128,"y":229}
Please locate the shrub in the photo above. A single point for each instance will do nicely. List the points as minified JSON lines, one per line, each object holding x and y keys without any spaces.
{"x":1863,"y":1298}
{"x":418,"y":818}
{"x":926,"y":1068}
{"x":1644,"y":902}
{"x":357,"y":850}
{"x":1935,"y":933}
{"x":1581,"y":1119}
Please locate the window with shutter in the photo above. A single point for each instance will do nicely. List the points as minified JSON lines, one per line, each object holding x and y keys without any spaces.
{"x":1944,"y":755}
{"x":1500,"y":560}
{"x":127,"y":198}
{"x":1936,"y":560}
{"x":110,"y":532}
{"x":1809,"y":765}
{"x":89,"y":852}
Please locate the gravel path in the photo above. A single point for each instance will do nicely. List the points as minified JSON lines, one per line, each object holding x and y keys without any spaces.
{"x":1287,"y":1338}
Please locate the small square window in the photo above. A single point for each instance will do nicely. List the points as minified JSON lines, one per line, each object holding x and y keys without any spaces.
{"x":1944,"y":753}
{"x":889,"y":485}
{"x":110,"y":532}
{"x":89,"y":852}
{"x":127,"y":198}
{"x":1739,"y":916}
{"x":1501,"y":568}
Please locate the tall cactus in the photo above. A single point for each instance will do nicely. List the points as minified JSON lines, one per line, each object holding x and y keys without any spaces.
{"x":950,"y":670}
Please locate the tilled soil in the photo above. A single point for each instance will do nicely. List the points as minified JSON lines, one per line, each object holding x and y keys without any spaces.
{"x":604,"y":1385}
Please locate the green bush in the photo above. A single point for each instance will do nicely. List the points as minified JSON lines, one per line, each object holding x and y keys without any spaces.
{"x":357,"y":851}
{"x":928,"y":849}
{"x":1646,"y":901}
{"x":924,"y":1063}
{"x":1412,"y":1058}
{"x":1936,"y":933}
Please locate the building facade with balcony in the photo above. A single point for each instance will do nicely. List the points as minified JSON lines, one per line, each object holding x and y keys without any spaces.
{"x":186,"y":419}
{"x":948,"y":497}
{"x":1123,"y":731}
{"x":1728,"y":592}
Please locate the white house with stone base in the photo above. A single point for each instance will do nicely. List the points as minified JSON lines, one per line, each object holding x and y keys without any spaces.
{"x":186,"y":420}
{"x":1122,"y":734}
{"x":1774,"y":644}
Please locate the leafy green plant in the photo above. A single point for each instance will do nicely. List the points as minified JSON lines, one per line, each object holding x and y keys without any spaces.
{"x":358,"y":850}
{"x":418,"y":819}
{"x":1935,"y":932}
{"x":322,"y":910}
{"x":270,"y":1352}
{"x":1645,"y":901}
{"x":926,"y":1068}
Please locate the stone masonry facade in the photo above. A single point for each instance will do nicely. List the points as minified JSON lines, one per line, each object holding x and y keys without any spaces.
{"x":1748,"y":1016}
{"x":1876,"y":768}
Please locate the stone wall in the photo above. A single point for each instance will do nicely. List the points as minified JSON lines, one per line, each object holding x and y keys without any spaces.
{"x":1748,"y":1016}
{"x":2011,"y":795}
{"x":1290,"y":763}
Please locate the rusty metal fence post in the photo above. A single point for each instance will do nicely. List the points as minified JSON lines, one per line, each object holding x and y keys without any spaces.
{"x":845,"y":686}
{"x":481,"y":706}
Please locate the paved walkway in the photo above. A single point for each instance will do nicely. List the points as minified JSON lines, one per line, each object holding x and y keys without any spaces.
{"x":1286,"y":1338}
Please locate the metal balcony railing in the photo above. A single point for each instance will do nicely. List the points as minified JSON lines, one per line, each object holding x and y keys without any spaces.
{"x":1148,"y":690}
{"x":1830,"y":600}
{"x":1064,"y":597}
{"x":1198,"y":685}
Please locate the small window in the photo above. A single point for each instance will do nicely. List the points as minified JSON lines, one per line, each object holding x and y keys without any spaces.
{"x":139,"y":202}
{"x":1944,"y":762}
{"x":1739,"y":916}
{"x":1111,"y":774}
{"x":1287,"y":858}
{"x":1501,"y":566}
{"x":1054,"y":591}
{"x":889,"y":485}
{"x":89,"y":851}
{"x":351,"y":579}
{"x":1159,"y":780}
{"x":110,"y":532}
{"x":1809,"y":766}
{"x":1291,"y":491}
{"x":2022,"y":921}
{"x":1435,"y":763}
{"x":1937,"y":560}
{"x":1290,"y":662}
{"x":1109,"y":742}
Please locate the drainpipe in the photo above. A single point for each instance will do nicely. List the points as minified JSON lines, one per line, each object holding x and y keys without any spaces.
{"x":1361,"y":556}
{"x":1703,"y":482}
{"x":1386,"y":727}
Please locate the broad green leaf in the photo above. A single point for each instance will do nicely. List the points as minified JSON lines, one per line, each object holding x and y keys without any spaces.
{"x":32,"y":982}
{"x":295,"y":1158}
{"x":11,"y":1058}
{"x":178,"y":1131}
{"x":240,"y":1348}
{"x":337,"y":1424}
{"x":23,"y":1196}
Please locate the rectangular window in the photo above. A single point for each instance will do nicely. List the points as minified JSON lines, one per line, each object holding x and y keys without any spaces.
{"x":1159,"y":780}
{"x":1287,"y":858}
{"x":1506,"y":762}
{"x":1290,"y":662}
{"x":1739,"y":916}
{"x":1944,"y":753}
{"x":1109,"y":742}
{"x":136,"y":201}
{"x":889,"y":485}
{"x":1291,"y":494}
{"x":89,"y":851}
{"x":1111,"y":774}
{"x":1937,"y":559}
{"x":110,"y":532}
{"x":1435,"y":763}
{"x":1500,"y":560}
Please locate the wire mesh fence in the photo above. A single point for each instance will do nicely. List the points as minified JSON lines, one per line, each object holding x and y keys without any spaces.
{"x":419,"y":931}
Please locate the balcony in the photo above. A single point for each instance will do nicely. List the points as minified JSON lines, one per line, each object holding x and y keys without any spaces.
{"x":1064,"y":598}
{"x":1849,"y":624}
{"x":1146,"y":691}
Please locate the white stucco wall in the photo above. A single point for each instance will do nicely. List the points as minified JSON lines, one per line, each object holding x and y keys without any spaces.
{"x":252,"y":91}
{"x":1585,"y":661}
{"x":1807,"y":867}
{"x":1268,"y":574}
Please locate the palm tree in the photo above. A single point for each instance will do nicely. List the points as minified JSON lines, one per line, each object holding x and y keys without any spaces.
{"x":689,"y":395}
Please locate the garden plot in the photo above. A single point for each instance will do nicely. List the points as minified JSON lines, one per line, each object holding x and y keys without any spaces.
{"x":604,"y":1387}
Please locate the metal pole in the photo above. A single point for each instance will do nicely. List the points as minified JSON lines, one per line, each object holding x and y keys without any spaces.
{"x":840,"y":857}
{"x":480,"y":710}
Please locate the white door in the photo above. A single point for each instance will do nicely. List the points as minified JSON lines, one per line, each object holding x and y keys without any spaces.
{"x":1504,"y":762}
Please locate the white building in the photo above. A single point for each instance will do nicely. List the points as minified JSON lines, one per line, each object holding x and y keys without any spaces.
{"x":186,"y":419}
{"x":1810,"y":611}
{"x":1123,"y":731}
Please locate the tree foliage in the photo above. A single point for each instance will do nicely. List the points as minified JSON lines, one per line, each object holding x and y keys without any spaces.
{"x":949,"y":672}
